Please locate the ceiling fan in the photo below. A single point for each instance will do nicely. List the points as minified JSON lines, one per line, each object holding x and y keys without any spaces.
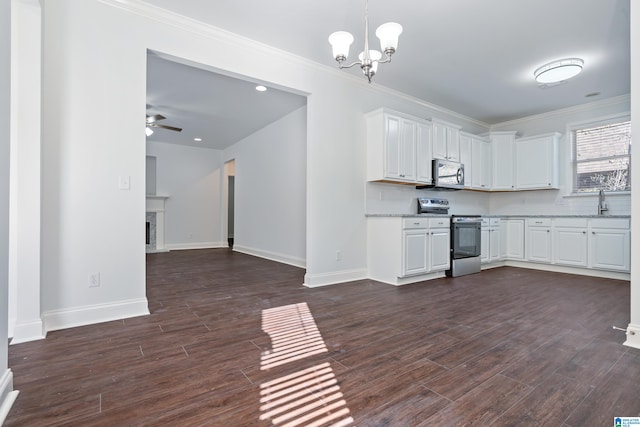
{"x":152,"y":122}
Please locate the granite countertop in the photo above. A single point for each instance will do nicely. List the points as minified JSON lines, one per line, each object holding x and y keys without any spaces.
{"x":387,"y":215}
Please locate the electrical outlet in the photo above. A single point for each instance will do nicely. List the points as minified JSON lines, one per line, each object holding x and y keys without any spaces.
{"x":338,"y":255}
{"x":94,"y":280}
{"x":124,"y":182}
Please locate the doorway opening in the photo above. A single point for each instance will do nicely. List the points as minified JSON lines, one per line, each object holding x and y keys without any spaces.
{"x":230,"y":178}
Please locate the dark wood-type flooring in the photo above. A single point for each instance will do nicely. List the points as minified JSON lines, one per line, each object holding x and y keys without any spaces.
{"x":234,"y":340}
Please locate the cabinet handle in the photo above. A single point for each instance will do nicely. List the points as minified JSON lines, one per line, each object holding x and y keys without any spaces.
{"x":584,"y":232}
{"x":548,"y":231}
{"x":416,"y":223}
{"x":593,"y":232}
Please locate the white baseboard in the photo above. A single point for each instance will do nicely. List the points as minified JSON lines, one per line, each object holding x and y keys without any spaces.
{"x":633,"y":336}
{"x":570,"y":270}
{"x":7,"y":394}
{"x":28,"y":331}
{"x":88,"y":315}
{"x":333,"y":278}
{"x":273,"y":256}
{"x":196,"y":245}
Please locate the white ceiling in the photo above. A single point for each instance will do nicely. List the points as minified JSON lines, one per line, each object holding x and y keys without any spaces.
{"x":473,"y":57}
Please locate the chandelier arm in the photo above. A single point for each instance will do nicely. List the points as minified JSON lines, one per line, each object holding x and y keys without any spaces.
{"x":341,"y":65}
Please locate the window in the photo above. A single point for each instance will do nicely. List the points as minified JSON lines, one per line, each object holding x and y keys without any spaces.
{"x":602,"y":154}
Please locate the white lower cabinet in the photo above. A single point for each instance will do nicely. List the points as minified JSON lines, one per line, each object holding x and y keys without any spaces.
{"x":538,"y":240}
{"x":426,"y":246}
{"x":513,"y":239}
{"x":440,"y":249}
{"x":569,"y":238}
{"x":490,"y":240}
{"x":415,"y":252}
{"x":401,"y":250}
{"x":609,"y":244}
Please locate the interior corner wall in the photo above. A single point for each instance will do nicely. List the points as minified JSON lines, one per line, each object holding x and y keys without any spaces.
{"x":6,"y":383}
{"x":270,"y":190}
{"x":634,"y":325}
{"x":191,"y":177}
{"x":90,"y":223}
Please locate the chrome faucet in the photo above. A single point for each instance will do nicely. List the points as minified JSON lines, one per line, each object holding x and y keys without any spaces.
{"x":602,"y":206}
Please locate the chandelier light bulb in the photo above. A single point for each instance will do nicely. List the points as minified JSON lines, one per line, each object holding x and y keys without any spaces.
{"x":340,"y":42}
{"x":388,"y":34}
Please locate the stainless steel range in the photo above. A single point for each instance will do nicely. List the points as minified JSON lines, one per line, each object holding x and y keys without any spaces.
{"x":465,"y":245}
{"x":433,"y":206}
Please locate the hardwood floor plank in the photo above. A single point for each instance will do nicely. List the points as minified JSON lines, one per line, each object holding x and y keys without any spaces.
{"x":506,"y":346}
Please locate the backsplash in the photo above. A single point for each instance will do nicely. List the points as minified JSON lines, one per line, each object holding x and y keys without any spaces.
{"x":384,"y":198}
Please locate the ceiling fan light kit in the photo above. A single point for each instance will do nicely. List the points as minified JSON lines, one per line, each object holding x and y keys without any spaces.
{"x":559,"y":70}
{"x":368,"y":60}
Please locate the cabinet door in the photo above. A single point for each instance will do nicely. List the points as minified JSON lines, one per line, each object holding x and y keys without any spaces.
{"x":503,"y":159}
{"x":439,"y":141}
{"x":514,"y":238}
{"x":481,"y":164}
{"x":536,"y":163}
{"x":453,"y":144}
{"x":570,"y":246}
{"x":494,"y":244}
{"x":392,"y":147}
{"x":424,"y":154}
{"x":408,"y":135}
{"x":539,"y":244}
{"x":466,"y":160}
{"x":484,"y":244}
{"x":440,"y":249}
{"x":415,"y":252}
{"x":609,"y":249}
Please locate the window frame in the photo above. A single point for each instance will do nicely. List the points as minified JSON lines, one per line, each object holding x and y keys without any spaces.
{"x":592,"y":123}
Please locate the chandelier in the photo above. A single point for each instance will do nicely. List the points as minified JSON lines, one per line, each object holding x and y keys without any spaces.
{"x":368,"y":59}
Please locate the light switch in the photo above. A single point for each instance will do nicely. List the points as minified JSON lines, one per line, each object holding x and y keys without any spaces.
{"x":124,"y":182}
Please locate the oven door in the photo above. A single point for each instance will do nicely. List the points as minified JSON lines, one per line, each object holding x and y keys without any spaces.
{"x":465,"y":239}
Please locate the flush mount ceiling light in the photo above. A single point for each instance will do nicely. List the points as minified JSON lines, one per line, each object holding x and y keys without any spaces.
{"x":261,"y":88}
{"x":368,"y":59}
{"x":558,"y":71}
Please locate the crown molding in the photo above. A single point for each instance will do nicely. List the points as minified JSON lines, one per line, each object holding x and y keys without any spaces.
{"x":200,"y":28}
{"x":575,"y":109}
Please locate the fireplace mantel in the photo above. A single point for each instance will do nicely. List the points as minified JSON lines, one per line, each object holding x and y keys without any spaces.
{"x":156,"y":204}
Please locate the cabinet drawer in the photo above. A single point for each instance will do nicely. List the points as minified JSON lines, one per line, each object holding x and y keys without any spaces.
{"x":438,"y":222}
{"x":539,"y":222}
{"x":409,"y":223}
{"x":570,"y":222}
{"x":622,"y":223}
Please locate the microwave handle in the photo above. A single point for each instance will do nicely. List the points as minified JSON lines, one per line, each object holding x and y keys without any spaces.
{"x":460,"y":176}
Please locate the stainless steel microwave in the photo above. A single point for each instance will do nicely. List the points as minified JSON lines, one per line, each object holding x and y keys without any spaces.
{"x":448,"y":175}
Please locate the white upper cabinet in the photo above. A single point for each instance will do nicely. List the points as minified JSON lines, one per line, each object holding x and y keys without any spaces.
{"x":466,"y":157}
{"x":502,"y":147}
{"x":397,"y":148}
{"x":480,"y":176}
{"x":446,"y":141}
{"x":537,"y":162}
{"x":424,"y":153}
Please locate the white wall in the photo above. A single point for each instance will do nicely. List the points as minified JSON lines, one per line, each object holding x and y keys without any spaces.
{"x":6,"y":378}
{"x":270,"y":190}
{"x":191,"y":177}
{"x":634,"y":324}
{"x":25,"y":323}
{"x":89,"y":225}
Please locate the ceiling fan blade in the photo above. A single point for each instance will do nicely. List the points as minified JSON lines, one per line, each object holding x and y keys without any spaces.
{"x":173,"y":128}
{"x":155,"y":118}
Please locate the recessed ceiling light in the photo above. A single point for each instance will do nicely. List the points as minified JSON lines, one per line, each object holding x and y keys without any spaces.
{"x":261,"y":88}
{"x":197,"y":139}
{"x":558,"y":71}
